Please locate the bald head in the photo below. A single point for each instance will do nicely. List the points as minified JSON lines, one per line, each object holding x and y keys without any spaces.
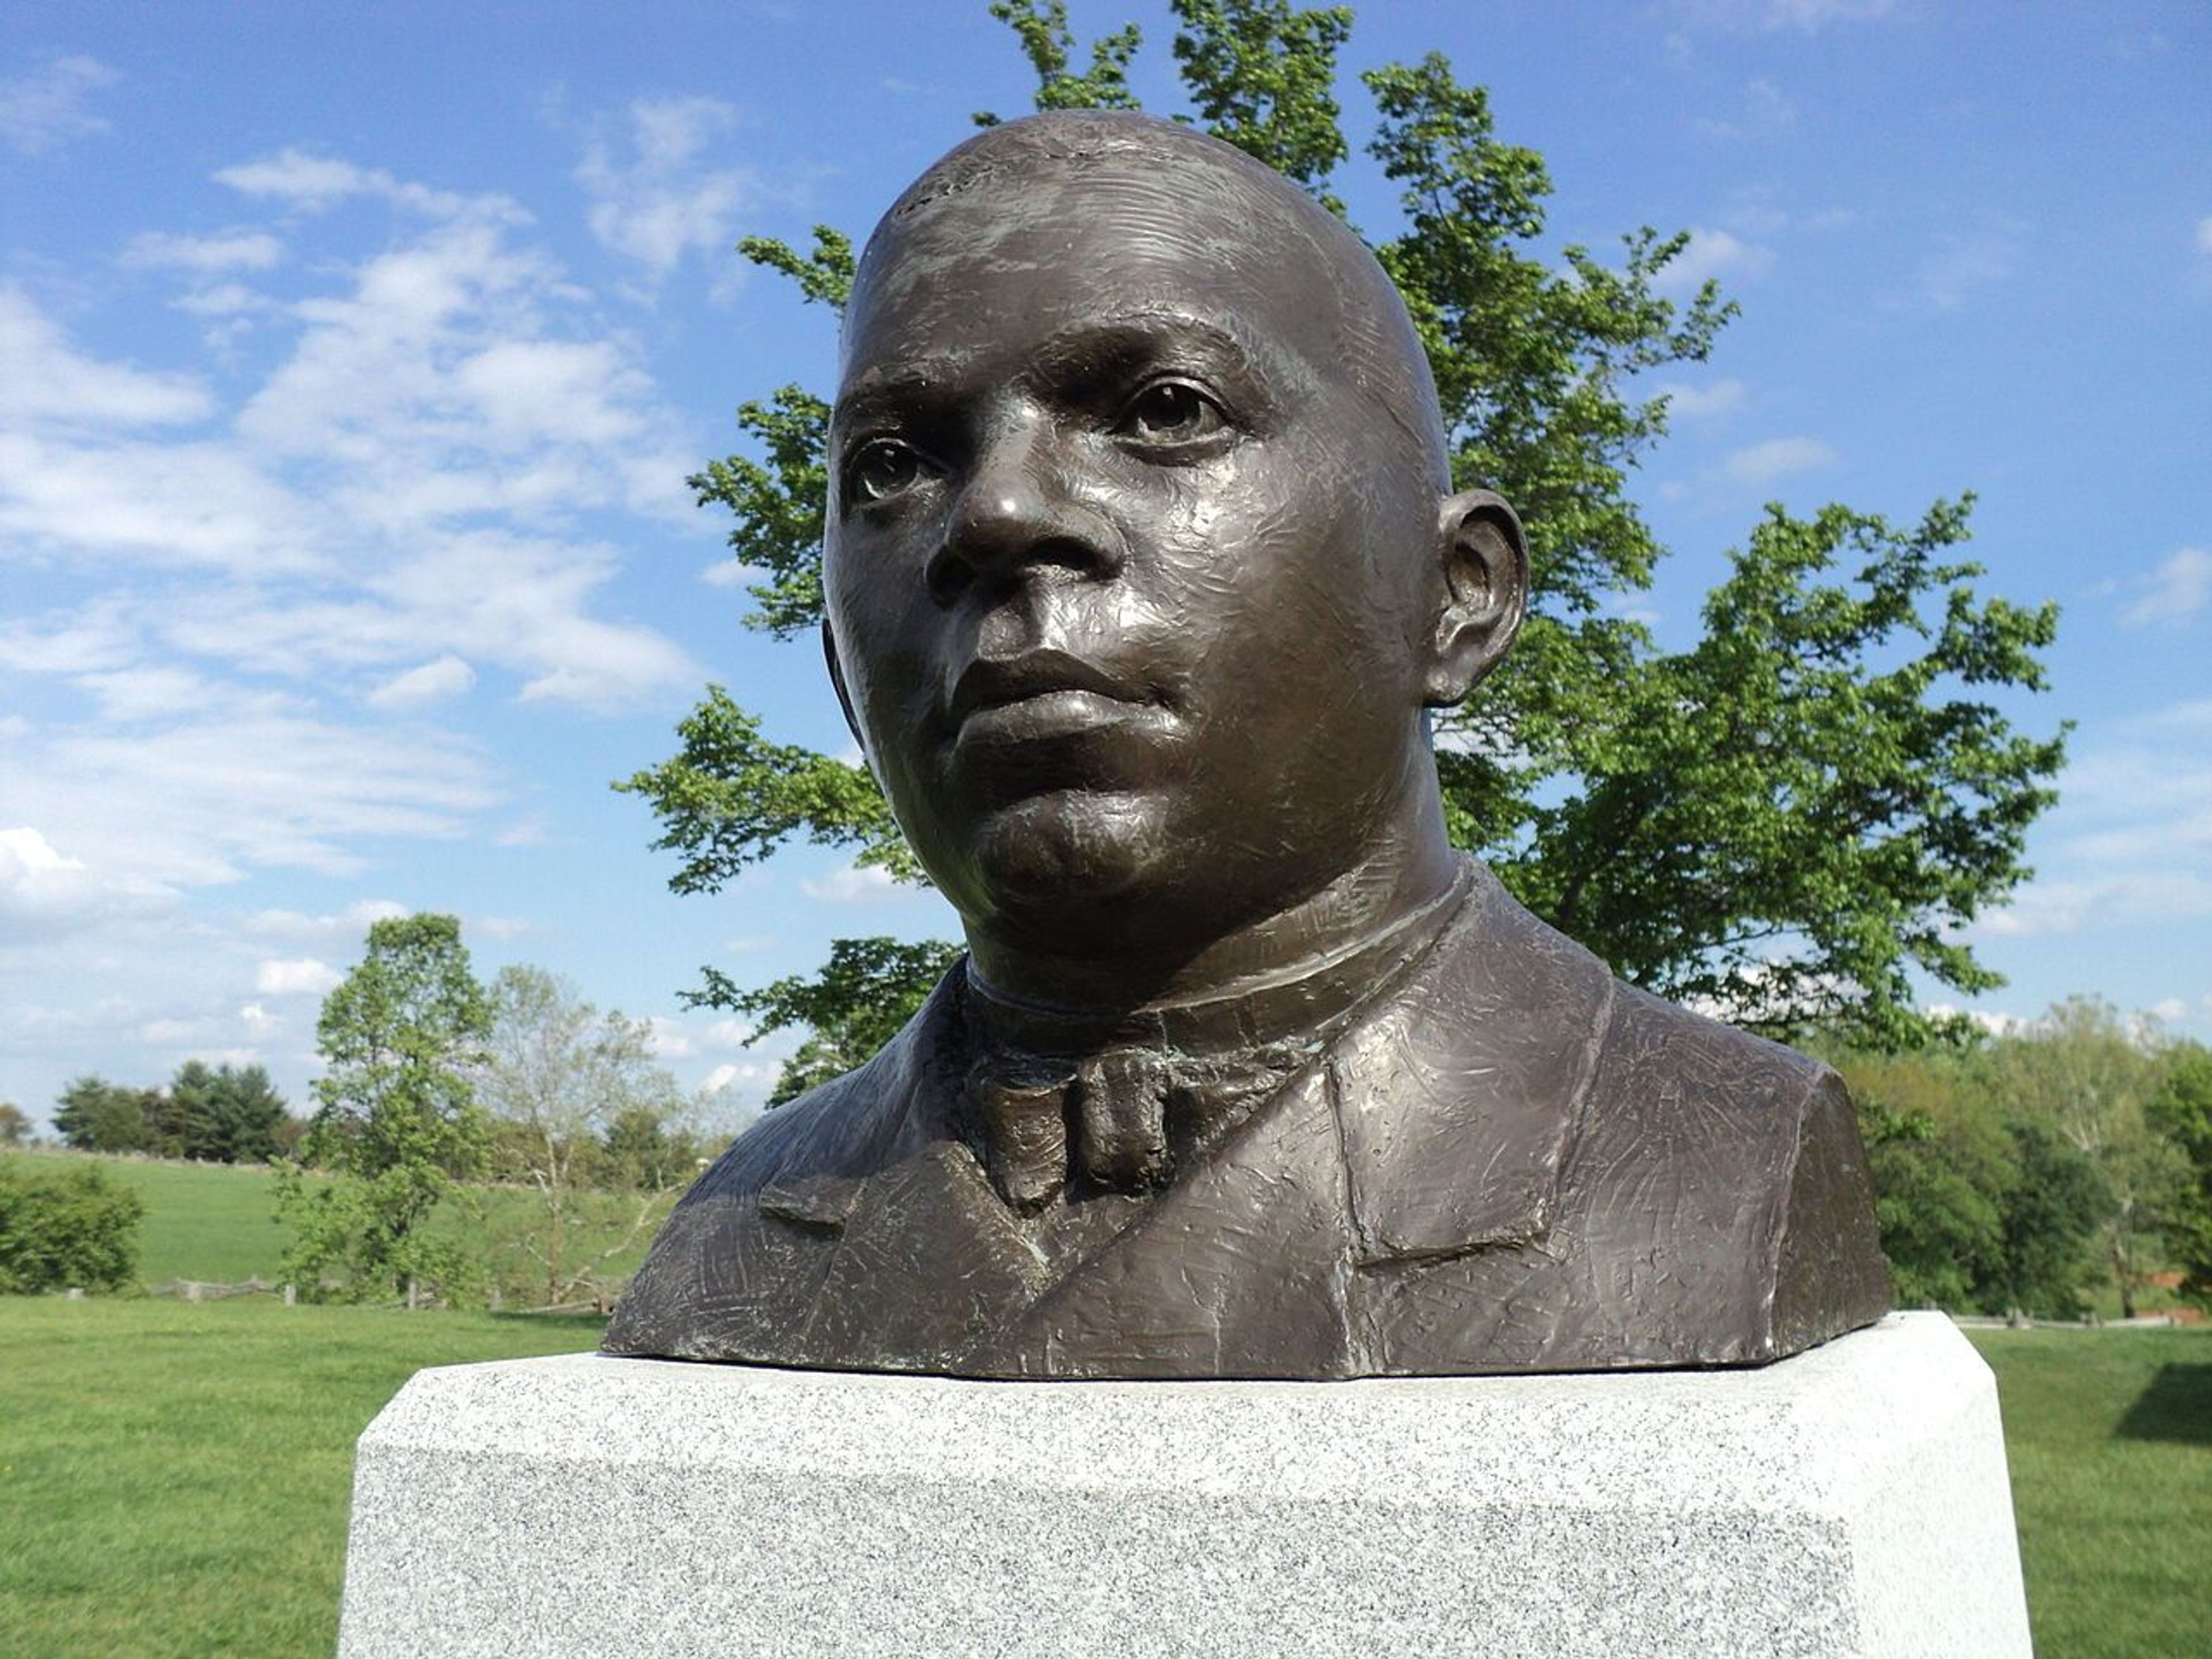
{"x":1215,"y":214}
{"x":1141,"y":565}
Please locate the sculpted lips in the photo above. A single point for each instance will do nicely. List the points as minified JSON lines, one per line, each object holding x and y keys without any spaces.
{"x":1043,"y":693}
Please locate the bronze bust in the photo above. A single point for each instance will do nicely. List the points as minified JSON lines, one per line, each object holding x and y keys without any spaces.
{"x":1143,"y":566}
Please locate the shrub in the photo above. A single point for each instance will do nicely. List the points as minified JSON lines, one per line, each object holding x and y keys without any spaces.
{"x":65,"y":1226}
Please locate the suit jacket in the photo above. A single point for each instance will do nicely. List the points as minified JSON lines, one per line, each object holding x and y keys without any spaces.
{"x":1507,"y":1162}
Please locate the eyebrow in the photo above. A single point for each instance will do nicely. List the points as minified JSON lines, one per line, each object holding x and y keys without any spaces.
{"x":1257,"y":363}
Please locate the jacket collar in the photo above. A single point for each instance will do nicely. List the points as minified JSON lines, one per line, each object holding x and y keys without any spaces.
{"x":1458,"y":1095}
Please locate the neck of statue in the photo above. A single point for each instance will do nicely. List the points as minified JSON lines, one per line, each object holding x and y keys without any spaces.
{"x":1390,"y":900}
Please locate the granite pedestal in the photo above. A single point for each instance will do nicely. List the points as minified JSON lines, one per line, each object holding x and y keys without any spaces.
{"x":1850,"y":1501}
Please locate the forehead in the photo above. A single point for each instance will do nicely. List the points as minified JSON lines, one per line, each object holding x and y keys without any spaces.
{"x":1035,"y":254}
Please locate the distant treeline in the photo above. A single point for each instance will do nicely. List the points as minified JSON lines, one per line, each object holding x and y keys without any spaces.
{"x":212,"y":1114}
{"x":2065,"y":1157}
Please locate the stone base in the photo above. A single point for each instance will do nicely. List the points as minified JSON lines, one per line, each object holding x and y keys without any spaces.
{"x":1849,"y":1501}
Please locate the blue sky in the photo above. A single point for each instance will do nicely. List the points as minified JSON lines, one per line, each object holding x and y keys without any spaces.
{"x":352,"y":360}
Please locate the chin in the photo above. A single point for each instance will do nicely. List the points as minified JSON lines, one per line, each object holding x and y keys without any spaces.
{"x":1054,"y":856}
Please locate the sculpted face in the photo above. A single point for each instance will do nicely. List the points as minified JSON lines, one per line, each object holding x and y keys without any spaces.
{"x":1139,"y":568}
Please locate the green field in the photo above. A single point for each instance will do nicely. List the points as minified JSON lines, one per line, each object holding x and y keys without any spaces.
{"x":2109,"y":1434}
{"x":216,"y":1224}
{"x":173,"y":1477}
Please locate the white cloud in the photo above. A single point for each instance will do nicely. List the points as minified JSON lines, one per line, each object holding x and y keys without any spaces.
{"x":659,"y":202}
{"x":2122,"y":898}
{"x":222,"y":300}
{"x":242,"y":792}
{"x":2175,"y":592}
{"x":230,"y":250}
{"x":97,"y":637}
{"x":298,"y":976}
{"x":729,"y":573}
{"x":46,"y":893}
{"x":421,"y":454}
{"x":32,"y":854}
{"x":432,"y":681}
{"x":350,"y":925}
{"x":174,"y":504}
{"x":1762,"y":465}
{"x":856,"y":883}
{"x":45,"y":110}
{"x":676,"y":1039}
{"x":315,"y":184}
{"x":156,"y":691}
{"x":1714,"y":253}
{"x":2130,"y":843}
{"x":1702,"y":403}
{"x":745,"y":1076}
{"x":259,"y":1021}
{"x":1994,"y":1021}
{"x":43,"y":379}
{"x":1971,"y":257}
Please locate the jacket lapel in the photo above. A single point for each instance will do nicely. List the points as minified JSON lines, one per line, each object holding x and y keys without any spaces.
{"x":1460,"y":1096}
{"x":1236,"y":1269}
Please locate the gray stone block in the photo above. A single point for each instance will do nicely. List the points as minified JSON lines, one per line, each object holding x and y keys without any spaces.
{"x":1849,"y":1501}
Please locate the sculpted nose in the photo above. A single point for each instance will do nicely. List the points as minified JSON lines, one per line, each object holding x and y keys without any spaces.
{"x":1015,"y":514}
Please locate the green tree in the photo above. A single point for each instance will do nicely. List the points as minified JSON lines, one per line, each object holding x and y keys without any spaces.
{"x":396,"y":1124}
{"x":557,"y":1078}
{"x":1939,"y":1156}
{"x":1981,"y":1209}
{"x":857,"y":1002}
{"x":646,"y":1150}
{"x":15,"y":1124}
{"x":225,"y":1114}
{"x":2181,"y":1110}
{"x":2088,"y":1073}
{"x":95,"y":1115}
{"x":1791,"y":819}
{"x":60,"y":1227}
{"x":2055,"y":1201}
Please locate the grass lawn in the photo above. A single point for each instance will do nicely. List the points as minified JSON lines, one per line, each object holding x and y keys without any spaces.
{"x":173,"y":1477}
{"x":216,"y":1224}
{"x":2109,"y":1434}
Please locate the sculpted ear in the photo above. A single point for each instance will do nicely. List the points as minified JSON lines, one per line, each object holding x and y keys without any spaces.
{"x":838,"y":679}
{"x":1486,"y":593}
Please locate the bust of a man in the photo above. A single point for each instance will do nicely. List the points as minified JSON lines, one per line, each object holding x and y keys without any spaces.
{"x":1143,"y":570}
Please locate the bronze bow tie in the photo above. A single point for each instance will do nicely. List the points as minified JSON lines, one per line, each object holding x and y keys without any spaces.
{"x":1113,"y":1109}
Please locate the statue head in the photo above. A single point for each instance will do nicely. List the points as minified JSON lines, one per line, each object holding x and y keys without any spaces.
{"x":1143,"y":566}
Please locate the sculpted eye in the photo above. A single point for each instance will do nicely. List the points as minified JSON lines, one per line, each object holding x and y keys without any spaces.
{"x":1172,"y":412}
{"x":881,"y":468}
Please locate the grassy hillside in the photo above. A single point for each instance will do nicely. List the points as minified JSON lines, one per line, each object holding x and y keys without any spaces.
{"x":203,"y":1221}
{"x":174,"y":1478}
{"x":215,"y":1223}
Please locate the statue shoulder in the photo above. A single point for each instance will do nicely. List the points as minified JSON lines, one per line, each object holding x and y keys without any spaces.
{"x":832,"y":1129}
{"x":1763,"y":1147}
{"x":791,"y":1178}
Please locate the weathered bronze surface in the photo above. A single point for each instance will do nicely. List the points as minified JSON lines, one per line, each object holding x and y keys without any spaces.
{"x":1143,"y":566}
